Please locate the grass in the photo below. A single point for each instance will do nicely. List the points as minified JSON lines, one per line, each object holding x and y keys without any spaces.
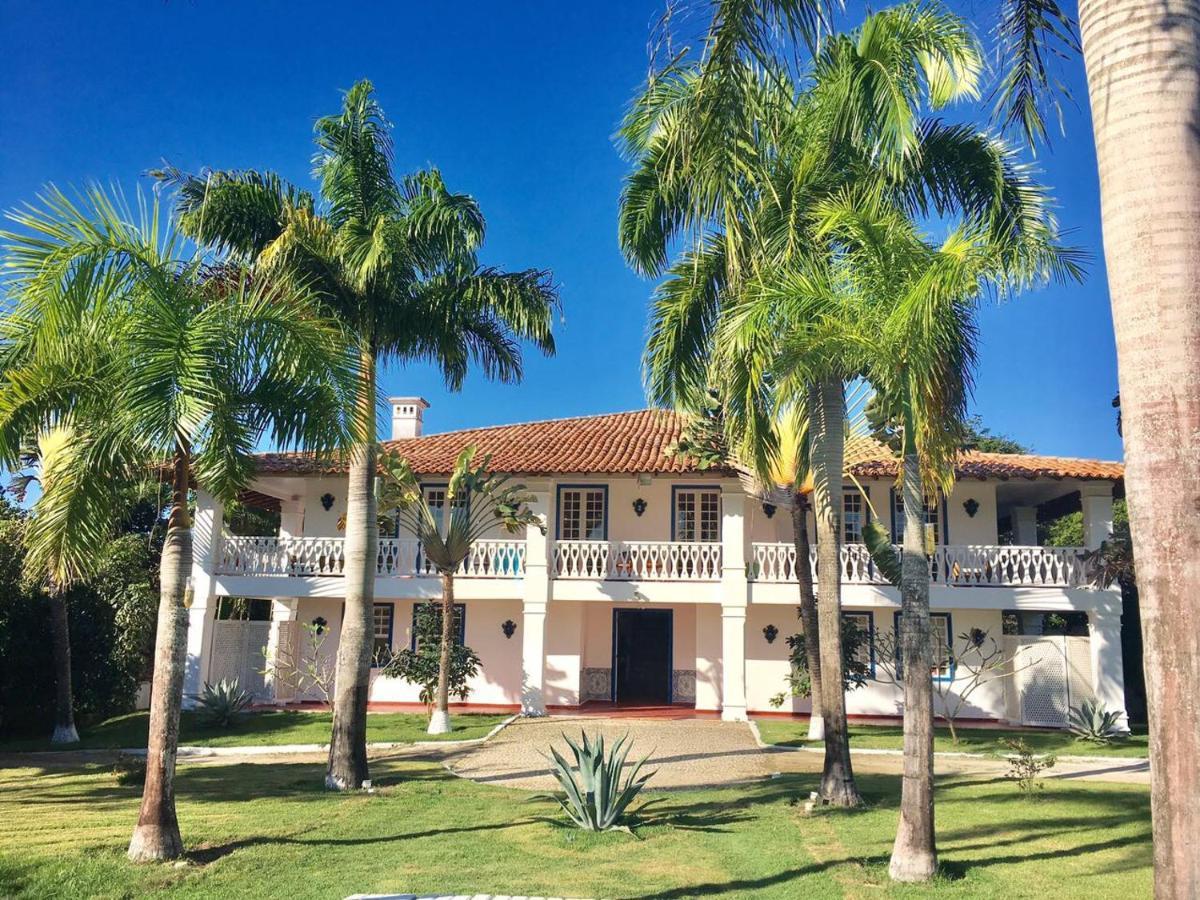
{"x":262,"y":729}
{"x":794,"y":733}
{"x":270,"y":830}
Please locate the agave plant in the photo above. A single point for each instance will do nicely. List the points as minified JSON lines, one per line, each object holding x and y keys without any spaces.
{"x":597,"y":801}
{"x":1090,"y":721}
{"x":222,"y":704}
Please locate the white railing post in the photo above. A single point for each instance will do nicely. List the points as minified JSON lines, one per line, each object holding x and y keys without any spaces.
{"x":536,"y":602}
{"x":206,"y":537}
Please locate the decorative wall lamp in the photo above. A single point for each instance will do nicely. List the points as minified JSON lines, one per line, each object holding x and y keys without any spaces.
{"x":509,"y":627}
{"x":319,"y":623}
{"x":971,"y":505}
{"x":639,"y":506}
{"x":769,"y":510}
{"x":770,"y":633}
{"x":327,"y":501}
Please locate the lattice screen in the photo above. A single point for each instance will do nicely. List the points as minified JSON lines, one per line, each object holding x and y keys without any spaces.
{"x":237,"y":653}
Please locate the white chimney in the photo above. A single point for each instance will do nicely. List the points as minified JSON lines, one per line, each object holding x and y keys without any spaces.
{"x":406,"y":416}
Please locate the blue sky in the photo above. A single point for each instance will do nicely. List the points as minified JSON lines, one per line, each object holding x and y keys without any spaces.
{"x":517,"y":104}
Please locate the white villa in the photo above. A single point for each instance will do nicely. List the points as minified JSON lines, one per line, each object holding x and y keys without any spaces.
{"x":659,"y":584}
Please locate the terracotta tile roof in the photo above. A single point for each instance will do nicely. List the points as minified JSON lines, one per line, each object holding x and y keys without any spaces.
{"x":637,"y":442}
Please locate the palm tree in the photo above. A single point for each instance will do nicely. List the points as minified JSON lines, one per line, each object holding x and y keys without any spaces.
{"x":477,"y":502}
{"x":738,"y":160}
{"x":152,"y":359}
{"x":394,"y":260}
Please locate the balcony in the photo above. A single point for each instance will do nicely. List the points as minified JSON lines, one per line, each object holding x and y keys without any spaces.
{"x":649,"y":561}
{"x":977,"y":565}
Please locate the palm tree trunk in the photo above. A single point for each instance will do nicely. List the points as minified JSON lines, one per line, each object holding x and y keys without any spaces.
{"x":828,"y":450}
{"x":808,"y":614}
{"x":914,"y":853}
{"x":1143,"y":67}
{"x":156,"y":836}
{"x":352,"y":679}
{"x":439,"y":722}
{"x":60,"y":634}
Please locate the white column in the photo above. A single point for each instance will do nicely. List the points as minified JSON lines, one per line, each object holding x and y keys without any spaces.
{"x":734,"y":596}
{"x":536,"y":601}
{"x":1024,"y":524}
{"x":206,"y":532}
{"x":281,"y":645}
{"x":1096,"y":502}
{"x":291,"y":517}
{"x":1108,"y":669}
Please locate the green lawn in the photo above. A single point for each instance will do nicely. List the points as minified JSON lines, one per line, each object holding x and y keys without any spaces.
{"x":793,"y":733}
{"x":266,"y":728}
{"x":258,"y":830}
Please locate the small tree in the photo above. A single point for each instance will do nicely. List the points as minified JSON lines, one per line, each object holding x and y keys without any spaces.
{"x":477,"y":501}
{"x":976,"y":659}
{"x":310,"y":669}
{"x":856,"y":670}
{"x":421,"y":664}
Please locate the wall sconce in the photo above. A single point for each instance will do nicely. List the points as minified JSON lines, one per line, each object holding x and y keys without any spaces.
{"x":319,"y":623}
{"x":769,"y":510}
{"x":639,"y":506}
{"x":770,"y":633}
{"x":509,"y":628}
{"x":971,"y":505}
{"x":327,"y":501}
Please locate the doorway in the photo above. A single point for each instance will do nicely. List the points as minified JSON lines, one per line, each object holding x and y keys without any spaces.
{"x":642,"y":653}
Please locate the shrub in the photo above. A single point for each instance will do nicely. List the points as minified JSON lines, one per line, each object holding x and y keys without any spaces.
{"x":1090,"y":721}
{"x":1025,"y":766}
{"x":221,"y":706}
{"x":129,"y":769}
{"x":419,"y":664}
{"x":600,"y":797}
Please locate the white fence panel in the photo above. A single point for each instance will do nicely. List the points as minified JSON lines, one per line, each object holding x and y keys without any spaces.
{"x":237,"y":653}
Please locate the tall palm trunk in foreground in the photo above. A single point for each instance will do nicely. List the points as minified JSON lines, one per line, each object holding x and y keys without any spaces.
{"x":828,"y":449}
{"x":352,"y":678}
{"x":914,"y":853}
{"x":439,"y":722}
{"x":156,"y":835}
{"x":808,"y":614}
{"x":60,"y":634}
{"x":1143,"y":67}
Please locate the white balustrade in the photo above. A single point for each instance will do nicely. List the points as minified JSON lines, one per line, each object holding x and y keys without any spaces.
{"x":968,"y":565}
{"x":326,"y":556}
{"x":638,"y":560}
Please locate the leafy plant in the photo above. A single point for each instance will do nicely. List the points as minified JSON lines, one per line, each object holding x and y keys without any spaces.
{"x":856,"y":643}
{"x":311,"y":669}
{"x":129,"y":769}
{"x":221,"y":705}
{"x":598,"y":800}
{"x":420,"y":665}
{"x":1091,"y":721}
{"x":1025,"y":766}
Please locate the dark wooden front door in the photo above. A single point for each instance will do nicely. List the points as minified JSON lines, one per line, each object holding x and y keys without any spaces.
{"x":642,"y":655}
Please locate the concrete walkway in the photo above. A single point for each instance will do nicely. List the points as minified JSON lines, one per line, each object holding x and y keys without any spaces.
{"x":684,"y":753}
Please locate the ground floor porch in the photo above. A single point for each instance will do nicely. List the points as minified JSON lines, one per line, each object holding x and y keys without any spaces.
{"x":682,"y":658}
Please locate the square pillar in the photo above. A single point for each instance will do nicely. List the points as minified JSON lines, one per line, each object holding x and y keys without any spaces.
{"x":535,"y":603}
{"x":281,"y":646}
{"x":1108,"y":667}
{"x":291,"y":517}
{"x":735,"y":591}
{"x":733,"y":663}
{"x":1095,"y":499}
{"x":206,"y":534}
{"x":1024,"y":524}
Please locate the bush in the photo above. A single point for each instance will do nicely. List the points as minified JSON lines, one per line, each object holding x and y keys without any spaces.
{"x":1025,"y":766}
{"x":129,"y":770}
{"x":222,"y":705}
{"x":419,"y":665}
{"x":1090,"y":721}
{"x":599,"y":799}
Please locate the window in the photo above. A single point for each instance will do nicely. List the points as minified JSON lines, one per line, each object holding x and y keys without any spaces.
{"x":697,"y":515}
{"x":381,"y":650}
{"x":932,"y":517}
{"x":942,"y":638}
{"x":854,"y":516}
{"x":864,"y":622}
{"x":435,"y":499}
{"x":460,"y":621}
{"x":583,"y":513}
